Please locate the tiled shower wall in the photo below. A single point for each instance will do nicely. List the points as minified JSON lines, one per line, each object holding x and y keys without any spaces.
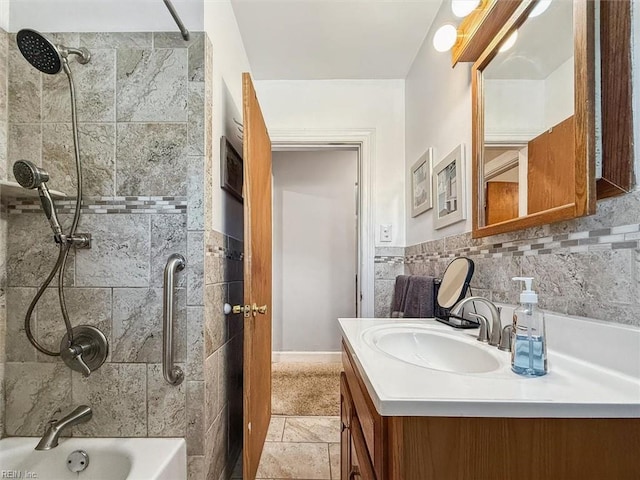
{"x":3,"y":216}
{"x":587,"y":267}
{"x":142,"y":110}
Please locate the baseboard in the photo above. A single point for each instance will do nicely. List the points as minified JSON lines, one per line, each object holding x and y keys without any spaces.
{"x":306,"y":357}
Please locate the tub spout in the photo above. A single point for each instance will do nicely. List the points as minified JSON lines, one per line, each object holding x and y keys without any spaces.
{"x":55,"y":427}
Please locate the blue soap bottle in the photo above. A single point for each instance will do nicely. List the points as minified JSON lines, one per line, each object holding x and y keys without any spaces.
{"x":529,"y":346}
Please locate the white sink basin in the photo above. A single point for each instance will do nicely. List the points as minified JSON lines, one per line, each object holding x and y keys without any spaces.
{"x":432,"y":348}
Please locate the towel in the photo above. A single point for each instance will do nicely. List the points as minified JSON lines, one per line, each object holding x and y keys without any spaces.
{"x":399,"y":296}
{"x":419,"y":300}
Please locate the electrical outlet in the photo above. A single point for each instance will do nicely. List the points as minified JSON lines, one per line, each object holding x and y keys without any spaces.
{"x":385,"y":233}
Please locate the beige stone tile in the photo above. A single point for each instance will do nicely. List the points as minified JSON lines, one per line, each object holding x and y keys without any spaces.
{"x":276,"y":427}
{"x":285,"y":460}
{"x":334,"y":460}
{"x":117,"y":393}
{"x":166,"y":405}
{"x":195,"y":467}
{"x":312,"y":429}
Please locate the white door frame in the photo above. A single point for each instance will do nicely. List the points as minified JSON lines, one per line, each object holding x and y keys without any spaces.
{"x":364,"y":141}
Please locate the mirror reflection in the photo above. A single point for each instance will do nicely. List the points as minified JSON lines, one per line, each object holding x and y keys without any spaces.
{"x":528,"y":155}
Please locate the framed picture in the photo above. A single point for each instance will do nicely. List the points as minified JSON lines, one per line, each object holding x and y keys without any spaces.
{"x":231,"y":176}
{"x":448,"y":178}
{"x":421,"y":198}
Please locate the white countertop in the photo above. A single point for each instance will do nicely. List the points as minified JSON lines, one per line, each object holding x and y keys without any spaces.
{"x":572,"y":388}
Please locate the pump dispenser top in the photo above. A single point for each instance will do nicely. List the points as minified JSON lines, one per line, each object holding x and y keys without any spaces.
{"x":527,"y":295}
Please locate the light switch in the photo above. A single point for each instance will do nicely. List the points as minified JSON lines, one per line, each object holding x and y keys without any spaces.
{"x":385,"y":233}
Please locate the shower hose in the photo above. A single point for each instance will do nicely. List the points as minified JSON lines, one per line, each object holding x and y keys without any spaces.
{"x":60,"y":266}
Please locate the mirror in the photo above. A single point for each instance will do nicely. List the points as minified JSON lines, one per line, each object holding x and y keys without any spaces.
{"x":534,"y":130}
{"x":453,"y":288}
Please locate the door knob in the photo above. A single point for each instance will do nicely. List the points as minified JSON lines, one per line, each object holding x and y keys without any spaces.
{"x":256,"y":309}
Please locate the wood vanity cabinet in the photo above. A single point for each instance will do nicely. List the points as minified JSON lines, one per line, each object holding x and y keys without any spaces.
{"x":469,"y":448}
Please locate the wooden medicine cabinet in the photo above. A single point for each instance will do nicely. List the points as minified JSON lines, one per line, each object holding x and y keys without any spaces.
{"x":542,"y":150}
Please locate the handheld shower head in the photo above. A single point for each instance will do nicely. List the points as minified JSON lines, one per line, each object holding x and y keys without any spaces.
{"x":45,"y":55}
{"x":28,"y":175}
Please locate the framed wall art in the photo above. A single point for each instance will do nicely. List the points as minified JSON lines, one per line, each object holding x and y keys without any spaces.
{"x":421,"y":198}
{"x":231,"y":174}
{"x":448,"y":187}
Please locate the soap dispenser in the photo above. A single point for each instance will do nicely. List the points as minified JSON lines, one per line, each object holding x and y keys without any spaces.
{"x":529,"y":346}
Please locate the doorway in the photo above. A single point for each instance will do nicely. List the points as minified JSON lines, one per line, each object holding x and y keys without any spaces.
{"x":315,"y":250}
{"x":315,"y":265}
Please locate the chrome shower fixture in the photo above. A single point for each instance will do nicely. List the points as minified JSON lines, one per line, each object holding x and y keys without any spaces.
{"x":30,"y":176}
{"x":45,"y":55}
{"x":83,"y":348}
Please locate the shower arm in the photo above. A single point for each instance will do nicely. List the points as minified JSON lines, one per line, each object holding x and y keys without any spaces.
{"x":176,"y":18}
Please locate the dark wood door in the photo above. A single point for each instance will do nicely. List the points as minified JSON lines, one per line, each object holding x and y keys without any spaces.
{"x":257,"y":280}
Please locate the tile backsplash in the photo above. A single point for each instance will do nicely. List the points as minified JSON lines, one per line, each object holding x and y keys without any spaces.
{"x":588,"y":267}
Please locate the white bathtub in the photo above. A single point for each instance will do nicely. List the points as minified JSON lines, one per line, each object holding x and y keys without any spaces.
{"x":109,"y":459}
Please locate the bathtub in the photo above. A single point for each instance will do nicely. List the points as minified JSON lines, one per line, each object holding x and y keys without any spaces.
{"x":109,"y":459}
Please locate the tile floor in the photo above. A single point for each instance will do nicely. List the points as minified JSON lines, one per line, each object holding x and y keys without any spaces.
{"x":301,"y":448}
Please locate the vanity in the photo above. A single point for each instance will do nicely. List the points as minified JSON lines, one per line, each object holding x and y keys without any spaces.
{"x":421,"y":401}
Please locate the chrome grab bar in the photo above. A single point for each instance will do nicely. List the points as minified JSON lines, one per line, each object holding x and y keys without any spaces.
{"x":176,"y":18}
{"x":172,"y":374}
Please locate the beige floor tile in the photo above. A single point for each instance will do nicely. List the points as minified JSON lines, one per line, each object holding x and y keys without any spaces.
{"x":334,"y":458}
{"x":276,"y":427}
{"x":312,"y":429}
{"x":285,"y":460}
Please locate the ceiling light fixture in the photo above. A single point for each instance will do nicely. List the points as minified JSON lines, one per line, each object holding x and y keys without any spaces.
{"x":509,"y":42}
{"x":462,"y":8}
{"x":445,"y":38}
{"x":540,"y":8}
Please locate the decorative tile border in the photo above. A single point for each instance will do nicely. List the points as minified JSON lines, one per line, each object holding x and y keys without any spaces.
{"x":97,"y":205}
{"x":614,"y":238}
{"x":389,"y":260}
{"x":222,"y":252}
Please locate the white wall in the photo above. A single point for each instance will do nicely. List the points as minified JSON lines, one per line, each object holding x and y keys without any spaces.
{"x":314,"y":248}
{"x":103,"y":15}
{"x":559,"y":94}
{"x":438,"y":115}
{"x":347,"y":105}
{"x":229,"y":62}
{"x":4,"y":15}
{"x":513,"y":109}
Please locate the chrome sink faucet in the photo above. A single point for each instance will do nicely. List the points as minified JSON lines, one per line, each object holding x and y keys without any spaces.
{"x":50,"y":438}
{"x":494,"y":328}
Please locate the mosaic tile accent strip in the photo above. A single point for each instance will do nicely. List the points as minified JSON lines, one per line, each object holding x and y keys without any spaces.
{"x":97,"y":205}
{"x":614,"y":238}
{"x":389,"y":260}
{"x":222,"y":252}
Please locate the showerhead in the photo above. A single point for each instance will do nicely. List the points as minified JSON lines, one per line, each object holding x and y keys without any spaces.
{"x":39,"y":51}
{"x":28,"y":175}
{"x":45,"y":55}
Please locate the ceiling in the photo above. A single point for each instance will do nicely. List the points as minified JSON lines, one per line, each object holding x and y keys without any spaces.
{"x":333,"y":39}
